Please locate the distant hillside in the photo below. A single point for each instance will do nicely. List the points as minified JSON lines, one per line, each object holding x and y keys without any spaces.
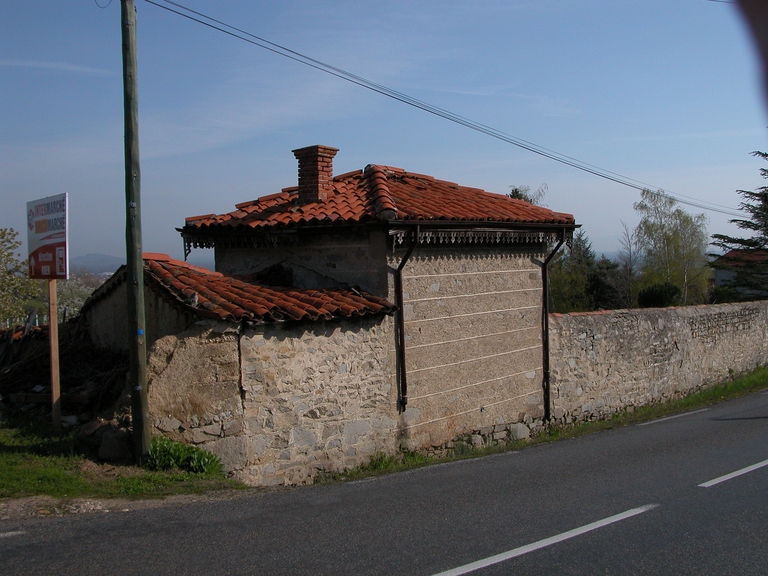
{"x":204,"y":260}
{"x":96,"y":263}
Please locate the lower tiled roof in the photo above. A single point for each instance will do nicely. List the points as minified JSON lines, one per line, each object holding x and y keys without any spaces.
{"x":210,"y":294}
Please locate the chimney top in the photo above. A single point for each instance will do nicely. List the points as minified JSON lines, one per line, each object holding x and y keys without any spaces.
{"x":315,"y":172}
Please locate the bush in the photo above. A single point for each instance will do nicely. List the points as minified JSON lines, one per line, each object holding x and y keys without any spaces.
{"x":168,"y":455}
{"x":658,"y":296}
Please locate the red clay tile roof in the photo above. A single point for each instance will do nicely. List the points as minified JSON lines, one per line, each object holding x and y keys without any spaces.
{"x":739,"y":258}
{"x":379,"y":193}
{"x":213,"y":295}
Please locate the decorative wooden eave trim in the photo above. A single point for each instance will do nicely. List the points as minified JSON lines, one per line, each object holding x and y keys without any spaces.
{"x":462,"y":233}
{"x":235,"y":240}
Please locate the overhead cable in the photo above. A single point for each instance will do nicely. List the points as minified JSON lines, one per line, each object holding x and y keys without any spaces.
{"x":240,"y":34}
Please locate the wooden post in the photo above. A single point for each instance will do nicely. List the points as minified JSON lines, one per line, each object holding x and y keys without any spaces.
{"x":53,"y":336}
{"x":137,"y":345}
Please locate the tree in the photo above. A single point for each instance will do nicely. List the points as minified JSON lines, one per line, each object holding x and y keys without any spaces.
{"x":602,"y":285}
{"x":71,"y":294}
{"x":569,"y":276}
{"x":626,"y":277}
{"x":15,"y":286}
{"x":673,"y":246}
{"x":747,"y":258}
{"x":524,"y":193}
{"x":658,"y":296}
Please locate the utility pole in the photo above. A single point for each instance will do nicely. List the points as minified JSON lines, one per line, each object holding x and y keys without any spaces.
{"x":137,"y":345}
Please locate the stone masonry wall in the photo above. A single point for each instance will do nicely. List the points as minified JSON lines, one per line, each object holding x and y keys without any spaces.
{"x":108,"y":319}
{"x":604,"y":362}
{"x":279,"y":402}
{"x":316,"y":397}
{"x":473,"y":341}
{"x":194,"y":389}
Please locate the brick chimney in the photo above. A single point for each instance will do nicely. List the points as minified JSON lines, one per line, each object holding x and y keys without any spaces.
{"x":315,"y":172}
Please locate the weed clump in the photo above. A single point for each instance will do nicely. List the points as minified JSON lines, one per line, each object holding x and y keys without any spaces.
{"x":166,"y":455}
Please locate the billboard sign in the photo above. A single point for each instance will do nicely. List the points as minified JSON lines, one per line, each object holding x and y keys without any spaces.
{"x":47,"y":238}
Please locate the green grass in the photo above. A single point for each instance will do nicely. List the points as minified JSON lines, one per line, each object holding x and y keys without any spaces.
{"x":380,"y":464}
{"x":35,"y":460}
{"x":741,"y":386}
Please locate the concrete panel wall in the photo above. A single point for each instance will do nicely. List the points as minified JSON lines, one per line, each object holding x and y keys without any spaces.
{"x":608,"y":361}
{"x":473,"y":340}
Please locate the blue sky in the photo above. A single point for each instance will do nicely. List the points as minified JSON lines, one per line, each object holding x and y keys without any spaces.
{"x":666,"y":93}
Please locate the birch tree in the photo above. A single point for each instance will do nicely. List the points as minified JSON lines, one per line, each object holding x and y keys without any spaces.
{"x":673,"y":246}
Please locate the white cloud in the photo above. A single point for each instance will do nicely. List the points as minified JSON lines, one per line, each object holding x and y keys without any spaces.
{"x":59,"y":66}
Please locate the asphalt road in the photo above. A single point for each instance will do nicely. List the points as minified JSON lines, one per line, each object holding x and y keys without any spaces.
{"x":626,"y":501}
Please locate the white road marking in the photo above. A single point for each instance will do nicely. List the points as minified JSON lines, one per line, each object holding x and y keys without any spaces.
{"x":9,"y":534}
{"x":672,"y":417}
{"x":734,"y":474}
{"x":546,"y":542}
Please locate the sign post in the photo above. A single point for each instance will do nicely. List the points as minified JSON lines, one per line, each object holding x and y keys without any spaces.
{"x":47,"y":237}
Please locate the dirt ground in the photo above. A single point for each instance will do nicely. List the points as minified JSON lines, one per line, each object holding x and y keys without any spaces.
{"x":48,"y":506}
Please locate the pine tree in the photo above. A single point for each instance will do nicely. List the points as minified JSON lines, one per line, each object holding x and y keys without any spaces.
{"x":747,"y":258}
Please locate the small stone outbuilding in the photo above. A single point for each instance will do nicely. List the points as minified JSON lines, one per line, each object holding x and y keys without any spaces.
{"x":444,"y":338}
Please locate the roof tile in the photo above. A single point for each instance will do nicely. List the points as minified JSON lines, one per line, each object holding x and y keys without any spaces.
{"x":211,"y":294}
{"x":380,"y":192}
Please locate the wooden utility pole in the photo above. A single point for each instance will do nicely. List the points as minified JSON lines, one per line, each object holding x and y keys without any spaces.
{"x":135,"y":263}
{"x":53,"y":337}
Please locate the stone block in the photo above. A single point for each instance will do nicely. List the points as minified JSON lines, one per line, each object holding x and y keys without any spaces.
{"x":212,"y":429}
{"x":196,"y":436}
{"x":233,"y":452}
{"x":519,"y":431}
{"x":168,"y":424}
{"x":232,"y":427}
{"x":259,"y":445}
{"x":303,"y":437}
{"x":353,"y":430}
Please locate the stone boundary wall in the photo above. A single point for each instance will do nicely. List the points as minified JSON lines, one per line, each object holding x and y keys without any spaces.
{"x":604,"y":362}
{"x":280,"y":403}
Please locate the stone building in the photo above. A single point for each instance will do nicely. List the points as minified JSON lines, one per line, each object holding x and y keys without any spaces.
{"x":462,"y":269}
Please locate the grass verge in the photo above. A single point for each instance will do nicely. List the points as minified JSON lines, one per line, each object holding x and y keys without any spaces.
{"x":740,"y":386}
{"x":35,"y":460}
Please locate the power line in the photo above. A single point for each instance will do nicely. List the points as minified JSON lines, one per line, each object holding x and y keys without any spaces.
{"x":240,"y":34}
